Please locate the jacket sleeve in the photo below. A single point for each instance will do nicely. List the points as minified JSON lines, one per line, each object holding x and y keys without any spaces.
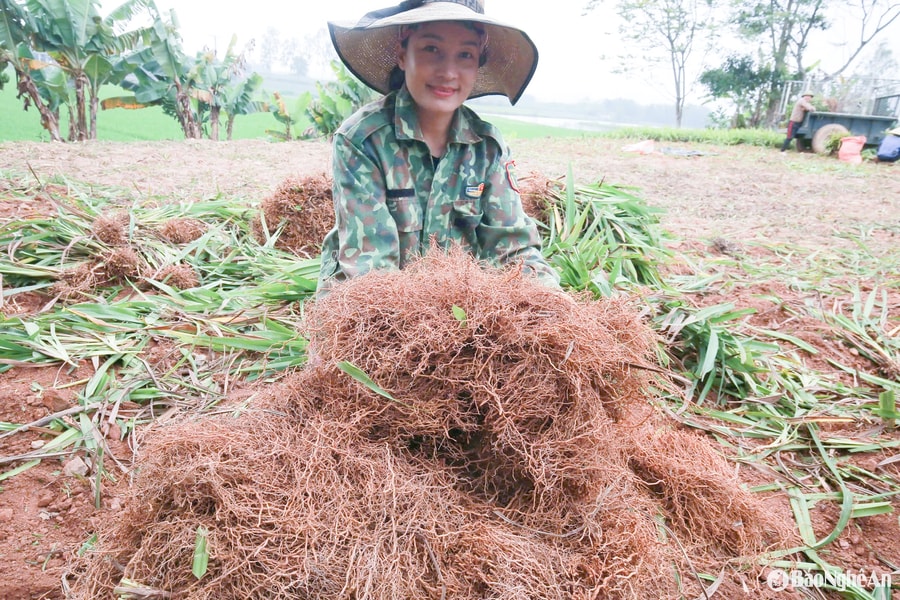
{"x":507,"y":235}
{"x":365,"y":236}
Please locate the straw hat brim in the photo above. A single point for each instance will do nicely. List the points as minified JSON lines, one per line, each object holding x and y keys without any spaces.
{"x":370,"y":52}
{"x":894,"y":131}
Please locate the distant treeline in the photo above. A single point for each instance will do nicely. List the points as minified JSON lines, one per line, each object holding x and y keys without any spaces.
{"x":621,"y":111}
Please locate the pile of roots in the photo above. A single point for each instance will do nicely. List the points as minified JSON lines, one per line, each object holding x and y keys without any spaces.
{"x":120,"y":263}
{"x":458,"y":433}
{"x":300,"y":211}
{"x":535,"y":191}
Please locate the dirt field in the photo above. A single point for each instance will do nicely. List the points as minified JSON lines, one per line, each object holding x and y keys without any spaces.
{"x":733,"y":195}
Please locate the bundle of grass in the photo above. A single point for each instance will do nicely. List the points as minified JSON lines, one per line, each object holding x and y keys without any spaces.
{"x":301,"y":211}
{"x":118,"y":264}
{"x":182,"y":231}
{"x":122,"y":263}
{"x":181,"y":276}
{"x":76,"y":283}
{"x":111,"y":229}
{"x":539,"y":404}
{"x":703,"y":498}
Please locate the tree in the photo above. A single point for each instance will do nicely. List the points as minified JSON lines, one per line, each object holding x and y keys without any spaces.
{"x":82,"y":44}
{"x":788,"y":25}
{"x":240,"y":99}
{"x":14,"y":49}
{"x":71,"y":37}
{"x":193,"y":90}
{"x":873,"y":16}
{"x":745,"y":85}
{"x":213,"y":79}
{"x":270,"y":49}
{"x":160,"y":73}
{"x":665,"y":30}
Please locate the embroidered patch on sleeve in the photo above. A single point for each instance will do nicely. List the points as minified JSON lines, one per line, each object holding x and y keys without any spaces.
{"x":475,"y":191}
{"x":511,"y":175}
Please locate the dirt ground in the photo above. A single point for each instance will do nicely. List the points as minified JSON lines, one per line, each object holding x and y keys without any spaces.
{"x":735,"y":195}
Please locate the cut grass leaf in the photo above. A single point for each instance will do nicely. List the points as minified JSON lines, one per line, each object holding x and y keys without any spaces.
{"x":359,"y":375}
{"x":887,"y":408}
{"x":201,"y":553}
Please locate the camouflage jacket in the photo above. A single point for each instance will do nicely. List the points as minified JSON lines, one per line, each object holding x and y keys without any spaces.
{"x":391,"y":198}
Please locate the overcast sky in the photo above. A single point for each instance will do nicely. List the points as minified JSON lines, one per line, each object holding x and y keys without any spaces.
{"x":572,"y":46}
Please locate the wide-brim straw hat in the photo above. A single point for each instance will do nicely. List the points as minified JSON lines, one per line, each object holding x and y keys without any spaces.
{"x":369,"y":48}
{"x":894,"y":131}
{"x":807,"y":95}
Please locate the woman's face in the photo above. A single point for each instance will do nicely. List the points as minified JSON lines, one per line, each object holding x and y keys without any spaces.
{"x":440,"y":62}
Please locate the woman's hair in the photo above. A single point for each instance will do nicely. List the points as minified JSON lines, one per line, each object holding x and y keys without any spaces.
{"x":397,"y":77}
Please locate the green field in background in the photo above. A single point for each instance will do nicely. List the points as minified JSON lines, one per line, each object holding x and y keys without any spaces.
{"x":152,"y":124}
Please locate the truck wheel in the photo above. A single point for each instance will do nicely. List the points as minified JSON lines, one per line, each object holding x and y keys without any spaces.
{"x":823,"y":134}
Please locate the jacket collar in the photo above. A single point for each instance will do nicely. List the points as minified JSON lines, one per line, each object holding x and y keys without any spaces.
{"x":406,"y":121}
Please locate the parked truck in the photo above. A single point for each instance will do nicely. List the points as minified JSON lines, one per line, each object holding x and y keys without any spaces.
{"x":818,"y":127}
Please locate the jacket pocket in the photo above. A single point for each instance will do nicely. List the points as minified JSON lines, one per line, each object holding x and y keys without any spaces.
{"x":466,"y":215}
{"x":407,"y":214}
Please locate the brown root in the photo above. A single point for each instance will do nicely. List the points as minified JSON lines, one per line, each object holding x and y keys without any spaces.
{"x":111,"y":229}
{"x":122,"y":263}
{"x":181,"y":276}
{"x":182,"y":231}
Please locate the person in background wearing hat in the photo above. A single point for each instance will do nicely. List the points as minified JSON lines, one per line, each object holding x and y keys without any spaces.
{"x":417,"y":167}
{"x":889,"y":148}
{"x":803,"y":106}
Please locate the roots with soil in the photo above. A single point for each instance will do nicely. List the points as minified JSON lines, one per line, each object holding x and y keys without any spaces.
{"x":503,"y":446}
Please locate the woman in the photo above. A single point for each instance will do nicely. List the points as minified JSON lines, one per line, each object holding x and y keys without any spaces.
{"x":417,"y":167}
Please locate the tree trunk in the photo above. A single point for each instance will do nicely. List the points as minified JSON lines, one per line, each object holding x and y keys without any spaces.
{"x":229,"y":127}
{"x":95,"y":102}
{"x":73,"y":121}
{"x":185,"y":114}
{"x":81,"y":131}
{"x":26,"y":87}
{"x":214,"y":122}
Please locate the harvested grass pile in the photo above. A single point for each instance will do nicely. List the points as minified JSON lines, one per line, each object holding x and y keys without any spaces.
{"x":304,"y":211}
{"x":517,"y":457}
{"x":182,"y":231}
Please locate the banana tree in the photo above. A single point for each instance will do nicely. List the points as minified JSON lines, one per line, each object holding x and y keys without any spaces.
{"x":193,"y":90}
{"x":85,"y":46}
{"x":151,"y":84}
{"x":213,"y":78}
{"x":14,"y":49}
{"x":160,"y":74}
{"x":240,"y":99}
